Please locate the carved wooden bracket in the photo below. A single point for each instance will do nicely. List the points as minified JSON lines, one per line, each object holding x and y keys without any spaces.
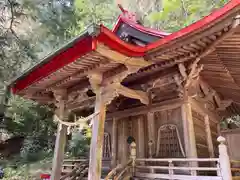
{"x":122,"y":59}
{"x":211,"y":97}
{"x":95,"y":80}
{"x":111,"y":87}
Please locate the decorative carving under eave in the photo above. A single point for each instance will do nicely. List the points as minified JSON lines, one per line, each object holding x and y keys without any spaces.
{"x":113,"y":90}
{"x":122,"y":59}
{"x":210,"y":98}
{"x":189,"y":81}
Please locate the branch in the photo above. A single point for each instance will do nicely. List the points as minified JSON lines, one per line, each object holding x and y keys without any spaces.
{"x":12,"y":15}
{"x":184,"y":8}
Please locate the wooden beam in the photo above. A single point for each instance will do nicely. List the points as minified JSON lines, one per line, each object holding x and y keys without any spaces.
{"x":60,"y":139}
{"x":96,"y":147}
{"x":95,"y":163}
{"x":123,"y":142}
{"x":165,"y":105}
{"x":151,"y":131}
{"x":141,"y":137}
{"x":135,"y":94}
{"x":188,"y":131}
{"x":209,"y":136}
{"x":120,"y":58}
{"x":114,"y":143}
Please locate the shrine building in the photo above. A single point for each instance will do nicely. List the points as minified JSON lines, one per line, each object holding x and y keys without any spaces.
{"x":156,"y":99}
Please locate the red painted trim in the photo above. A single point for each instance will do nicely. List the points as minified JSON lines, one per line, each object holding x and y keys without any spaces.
{"x":122,"y":19}
{"x":71,"y":54}
{"x":144,"y":29}
{"x":197,"y":25}
{"x":117,"y":24}
{"x":111,"y":40}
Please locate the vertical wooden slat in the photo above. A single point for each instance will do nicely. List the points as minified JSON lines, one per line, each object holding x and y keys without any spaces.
{"x":141,"y":137}
{"x":114,"y":143}
{"x":95,"y":163}
{"x":59,"y":146}
{"x":123,"y":142}
{"x":151,"y":129}
{"x":188,"y":131}
{"x":209,"y":136}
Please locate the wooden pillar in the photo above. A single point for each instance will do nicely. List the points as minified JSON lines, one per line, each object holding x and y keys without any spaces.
{"x":141,"y":137}
{"x":114,"y":143}
{"x":209,"y":136}
{"x":188,"y":129}
{"x":123,"y":143}
{"x":151,"y":130}
{"x":95,"y":162}
{"x":59,"y":145}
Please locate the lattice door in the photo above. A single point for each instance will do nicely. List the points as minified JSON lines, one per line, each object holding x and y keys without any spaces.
{"x":168,"y":143}
{"x":106,"y":146}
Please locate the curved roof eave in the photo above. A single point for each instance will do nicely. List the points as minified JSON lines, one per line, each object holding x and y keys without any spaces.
{"x":87,"y":42}
{"x":139,"y":27}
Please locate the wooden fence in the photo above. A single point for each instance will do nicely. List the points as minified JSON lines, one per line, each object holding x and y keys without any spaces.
{"x":150,"y":168}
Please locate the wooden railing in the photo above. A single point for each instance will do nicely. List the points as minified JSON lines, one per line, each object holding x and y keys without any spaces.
{"x":122,"y":171}
{"x":177,"y":172}
{"x":235,"y":168}
{"x":74,"y":169}
{"x":118,"y":172}
{"x":151,"y":168}
{"x":173,"y":171}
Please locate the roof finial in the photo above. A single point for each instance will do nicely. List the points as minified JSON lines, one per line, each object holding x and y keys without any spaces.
{"x":121,"y":8}
{"x":127,"y":14}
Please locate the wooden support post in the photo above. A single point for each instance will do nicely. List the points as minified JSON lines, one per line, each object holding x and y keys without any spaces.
{"x":209,"y":137}
{"x":188,"y":131}
{"x":224,"y":159}
{"x":59,"y":144}
{"x":114,"y":143}
{"x":141,"y":137}
{"x":95,"y":162}
{"x":123,"y":143}
{"x":151,"y":130}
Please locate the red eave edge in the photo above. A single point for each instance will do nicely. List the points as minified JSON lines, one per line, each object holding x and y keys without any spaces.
{"x":107,"y":37}
{"x":73,"y":53}
{"x":138,"y":27}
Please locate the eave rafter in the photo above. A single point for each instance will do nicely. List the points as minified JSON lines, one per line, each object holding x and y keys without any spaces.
{"x":191,"y":84}
{"x":138,"y":62}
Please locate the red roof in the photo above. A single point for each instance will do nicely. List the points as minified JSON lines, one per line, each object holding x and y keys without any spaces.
{"x":87,"y":42}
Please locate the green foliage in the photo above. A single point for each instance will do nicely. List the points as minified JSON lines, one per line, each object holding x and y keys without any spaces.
{"x":80,"y":143}
{"x":93,"y":12}
{"x":27,"y":118}
{"x":176,"y":14}
{"x":34,"y":149}
{"x":34,"y":122}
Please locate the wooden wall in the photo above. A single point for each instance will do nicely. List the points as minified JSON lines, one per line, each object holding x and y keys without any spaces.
{"x":200,"y":113}
{"x":145,"y":127}
{"x":138,"y":127}
{"x":232,"y":136}
{"x":200,"y":135}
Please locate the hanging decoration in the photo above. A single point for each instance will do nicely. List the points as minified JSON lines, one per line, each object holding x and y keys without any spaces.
{"x":73,"y":125}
